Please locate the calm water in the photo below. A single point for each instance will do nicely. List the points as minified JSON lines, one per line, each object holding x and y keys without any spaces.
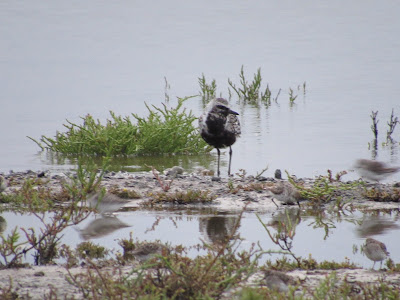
{"x":188,"y":227}
{"x":62,"y":60}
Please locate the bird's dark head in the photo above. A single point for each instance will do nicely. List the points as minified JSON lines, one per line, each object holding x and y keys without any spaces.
{"x":223,"y":110}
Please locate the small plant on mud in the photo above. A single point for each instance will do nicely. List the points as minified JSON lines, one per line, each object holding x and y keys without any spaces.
{"x":259,"y":174}
{"x":378,"y":195}
{"x":392,"y":266}
{"x":124,"y":193}
{"x":165,"y":184}
{"x":88,"y":177}
{"x":180,"y":197}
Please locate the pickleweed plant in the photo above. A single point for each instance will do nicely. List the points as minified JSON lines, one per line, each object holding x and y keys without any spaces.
{"x":208,"y":91}
{"x":165,"y":130}
{"x":251,"y":92}
{"x":324,"y":188}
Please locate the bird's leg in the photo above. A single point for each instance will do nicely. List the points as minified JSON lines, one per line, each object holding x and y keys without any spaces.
{"x":230,"y":159}
{"x":219,"y":154}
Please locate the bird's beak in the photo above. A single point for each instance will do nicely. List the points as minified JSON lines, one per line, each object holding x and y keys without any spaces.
{"x":233,"y":112}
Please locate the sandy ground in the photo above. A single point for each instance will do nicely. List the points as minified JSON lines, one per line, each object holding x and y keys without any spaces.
{"x":39,"y":281}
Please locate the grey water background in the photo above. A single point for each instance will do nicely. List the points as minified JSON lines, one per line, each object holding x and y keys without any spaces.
{"x":62,"y":60}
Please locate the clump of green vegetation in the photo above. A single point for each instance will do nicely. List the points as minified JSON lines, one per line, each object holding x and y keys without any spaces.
{"x":251,"y":92}
{"x":90,"y":250}
{"x":324,"y":188}
{"x":180,"y":197}
{"x":284,"y":264}
{"x":165,"y":130}
{"x":124,"y":193}
{"x":392,"y":266}
{"x":207,"y":91}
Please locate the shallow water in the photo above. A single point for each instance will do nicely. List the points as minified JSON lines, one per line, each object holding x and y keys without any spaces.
{"x":64,"y":60}
{"x":190,"y":227}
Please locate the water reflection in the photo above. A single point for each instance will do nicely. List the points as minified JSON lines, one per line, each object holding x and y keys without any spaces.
{"x":216,"y":229}
{"x":375,"y":225}
{"x":373,"y":146}
{"x":101,"y":227}
{"x":133,"y":163}
{"x":189,"y":227}
{"x":291,"y":214}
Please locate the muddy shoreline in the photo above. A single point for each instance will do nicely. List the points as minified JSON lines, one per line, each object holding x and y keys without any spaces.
{"x":231,"y":194}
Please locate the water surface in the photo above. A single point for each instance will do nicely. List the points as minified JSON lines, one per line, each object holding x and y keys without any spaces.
{"x":335,"y":240}
{"x":64,"y":60}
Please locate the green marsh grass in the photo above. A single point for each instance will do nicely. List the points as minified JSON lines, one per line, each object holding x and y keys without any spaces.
{"x":208,"y":91}
{"x":251,"y":92}
{"x":324,"y":189}
{"x":164,"y":130}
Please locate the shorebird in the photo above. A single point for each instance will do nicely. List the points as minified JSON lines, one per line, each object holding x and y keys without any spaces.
{"x":107,"y":203}
{"x":285,"y":192}
{"x":375,"y":251}
{"x":219,"y":127}
{"x":148,"y":250}
{"x":279,"y":281}
{"x":374,"y":170}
